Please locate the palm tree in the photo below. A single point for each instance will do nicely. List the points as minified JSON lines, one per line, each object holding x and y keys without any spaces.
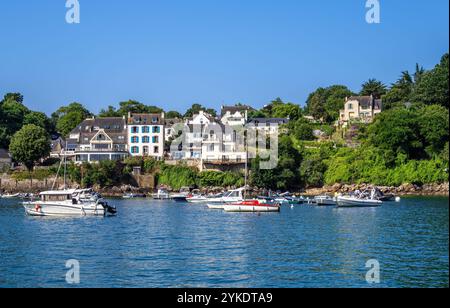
{"x":373,"y":87}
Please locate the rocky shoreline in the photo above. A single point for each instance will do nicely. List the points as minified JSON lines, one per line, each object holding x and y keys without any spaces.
{"x":118,"y":191}
{"x":403,"y":190}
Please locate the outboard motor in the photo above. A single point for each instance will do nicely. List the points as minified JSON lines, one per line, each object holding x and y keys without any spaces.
{"x":109,"y":209}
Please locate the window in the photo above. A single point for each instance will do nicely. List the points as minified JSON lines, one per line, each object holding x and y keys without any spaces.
{"x":134,"y":130}
{"x":146,"y":139}
{"x":135,"y":139}
{"x":350,"y":106}
{"x":145,"y":150}
{"x":155,"y":120}
{"x":156,"y":129}
{"x":145,"y":129}
{"x":156,"y":150}
{"x":134,"y":150}
{"x":155,"y":139}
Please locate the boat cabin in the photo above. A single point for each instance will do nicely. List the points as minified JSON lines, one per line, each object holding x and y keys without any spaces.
{"x":57,"y":196}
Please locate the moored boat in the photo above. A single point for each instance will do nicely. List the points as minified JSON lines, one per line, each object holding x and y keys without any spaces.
{"x":251,"y":206}
{"x":325,"y":201}
{"x":10,"y":196}
{"x":133,"y":196}
{"x":66,"y":203}
{"x":351,"y":201}
{"x":162,"y":194}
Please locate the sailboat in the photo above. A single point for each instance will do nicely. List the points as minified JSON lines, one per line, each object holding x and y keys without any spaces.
{"x":250,"y":206}
{"x":68,"y":202}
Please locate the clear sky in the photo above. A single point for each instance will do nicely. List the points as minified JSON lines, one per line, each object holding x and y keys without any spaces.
{"x":173,"y":53}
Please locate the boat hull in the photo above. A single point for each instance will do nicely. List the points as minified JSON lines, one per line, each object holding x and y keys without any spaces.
{"x":322,"y":202}
{"x":251,"y":208}
{"x":216,"y":206}
{"x":352,"y":202}
{"x":63,"y":210}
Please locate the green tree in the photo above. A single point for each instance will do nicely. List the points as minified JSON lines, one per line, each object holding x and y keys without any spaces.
{"x":373,"y":87}
{"x":396,"y":130}
{"x":174,"y":115}
{"x":196,"y":108}
{"x":325,"y":103}
{"x":40,"y":119}
{"x":433,"y":86}
{"x":68,"y":117}
{"x":289,"y":110}
{"x":302,"y":129}
{"x":110,"y":112}
{"x":17,"y":97}
{"x":433,"y":122}
{"x":29,"y":145}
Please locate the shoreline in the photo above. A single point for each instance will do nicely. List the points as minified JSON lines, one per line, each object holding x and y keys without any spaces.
{"x":402,"y":190}
{"x":438,"y":189}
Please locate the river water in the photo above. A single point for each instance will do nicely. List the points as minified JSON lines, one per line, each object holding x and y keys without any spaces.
{"x":167,"y":244}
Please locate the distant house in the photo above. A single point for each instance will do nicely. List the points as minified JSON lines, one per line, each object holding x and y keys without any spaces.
{"x":267,"y":125}
{"x":98,"y":139}
{"x":361,"y":109}
{"x":146,"y":135}
{"x":170,"y":130}
{"x":5,"y":160}
{"x":235,"y":115}
{"x":57,"y":146}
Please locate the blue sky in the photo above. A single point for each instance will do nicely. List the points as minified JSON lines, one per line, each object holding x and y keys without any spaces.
{"x":173,"y":53}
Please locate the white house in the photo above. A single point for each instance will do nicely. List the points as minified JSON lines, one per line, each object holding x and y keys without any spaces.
{"x":360,"y":109}
{"x":146,"y":135}
{"x":235,"y":115}
{"x":98,"y":139}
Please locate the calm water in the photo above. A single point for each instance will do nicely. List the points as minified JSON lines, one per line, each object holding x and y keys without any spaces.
{"x":161,"y":244}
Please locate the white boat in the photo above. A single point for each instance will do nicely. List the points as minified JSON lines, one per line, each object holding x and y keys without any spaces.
{"x":162,"y":194}
{"x":181,"y":196}
{"x":349,"y":201}
{"x":66,"y":203}
{"x":252,"y":206}
{"x":197,"y":199}
{"x":232,"y":196}
{"x":216,"y":206}
{"x":88,"y":195}
{"x":133,"y":196}
{"x":11,"y":196}
{"x":325,"y":201}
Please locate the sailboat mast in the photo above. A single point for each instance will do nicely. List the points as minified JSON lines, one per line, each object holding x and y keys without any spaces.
{"x":65,"y":165}
{"x":246,"y":163}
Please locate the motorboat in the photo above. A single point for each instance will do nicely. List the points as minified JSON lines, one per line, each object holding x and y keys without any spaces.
{"x":162,"y":194}
{"x":325,"y":201}
{"x":232,"y":196}
{"x":134,"y":196}
{"x":88,"y":195}
{"x":351,"y":201}
{"x":11,"y":196}
{"x":66,"y":203}
{"x":197,"y":199}
{"x":252,"y":206}
{"x":181,"y":196}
